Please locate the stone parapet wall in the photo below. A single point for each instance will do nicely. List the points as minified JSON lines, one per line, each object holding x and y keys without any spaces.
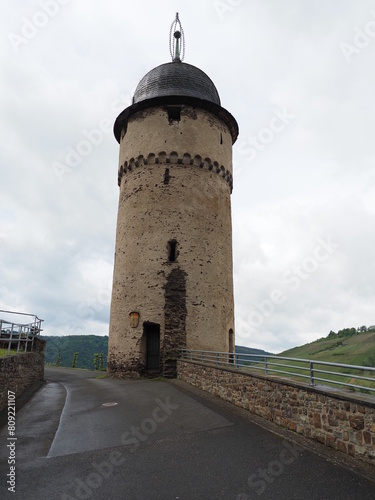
{"x":343,"y":421}
{"x":20,"y":371}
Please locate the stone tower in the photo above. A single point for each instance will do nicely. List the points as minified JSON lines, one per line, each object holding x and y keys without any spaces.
{"x":173,"y":278}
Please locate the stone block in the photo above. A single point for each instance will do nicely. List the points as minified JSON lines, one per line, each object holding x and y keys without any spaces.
{"x":360,"y":451}
{"x":351,"y":449}
{"x":367,"y":437}
{"x":357,"y":422}
{"x":341,"y":446}
{"x":330,"y":440}
{"x":300,"y":429}
{"x":292,"y":426}
{"x":341,"y":415}
{"x":321,"y":437}
{"x":317,"y":421}
{"x":332,"y":421}
{"x":359,"y":438}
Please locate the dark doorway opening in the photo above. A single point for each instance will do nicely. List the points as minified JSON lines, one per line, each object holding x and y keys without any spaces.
{"x":152,"y":334}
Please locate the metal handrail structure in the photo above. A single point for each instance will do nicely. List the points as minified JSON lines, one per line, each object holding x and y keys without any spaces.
{"x":314,"y":371}
{"x":13,"y":333}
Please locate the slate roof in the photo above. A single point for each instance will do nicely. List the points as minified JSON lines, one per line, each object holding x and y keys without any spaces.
{"x":176,"y":79}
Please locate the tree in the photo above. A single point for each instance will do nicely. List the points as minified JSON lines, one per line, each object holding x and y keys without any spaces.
{"x":346,"y":332}
{"x":362,"y":329}
{"x":74,"y":364}
{"x":101,"y":361}
{"x":85,"y":345}
{"x":96,"y":361}
{"x":58,"y":360}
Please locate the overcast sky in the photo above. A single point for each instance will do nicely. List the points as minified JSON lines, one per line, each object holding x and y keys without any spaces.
{"x":299,"y":77}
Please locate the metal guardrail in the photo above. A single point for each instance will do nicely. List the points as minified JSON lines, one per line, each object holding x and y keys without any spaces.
{"x":12,"y":333}
{"x":310,"y":370}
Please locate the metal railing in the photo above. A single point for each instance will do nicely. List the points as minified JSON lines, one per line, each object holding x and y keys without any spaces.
{"x":315,"y":372}
{"x":22,"y":335}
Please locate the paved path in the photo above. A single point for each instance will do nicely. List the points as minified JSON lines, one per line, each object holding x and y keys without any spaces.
{"x":81,"y":437}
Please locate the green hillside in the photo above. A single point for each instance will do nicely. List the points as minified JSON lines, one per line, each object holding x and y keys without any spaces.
{"x":86,"y":346}
{"x":349,"y":346}
{"x":249,"y":351}
{"x":355,"y":348}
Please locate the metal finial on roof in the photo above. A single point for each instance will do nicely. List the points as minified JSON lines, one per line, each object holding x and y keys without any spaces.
{"x":177,"y":40}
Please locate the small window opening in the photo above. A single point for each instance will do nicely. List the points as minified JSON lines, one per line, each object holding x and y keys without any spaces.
{"x":231,"y":346}
{"x":221,"y":138}
{"x":166,"y":176}
{"x":172,"y":250}
{"x":174,"y":113}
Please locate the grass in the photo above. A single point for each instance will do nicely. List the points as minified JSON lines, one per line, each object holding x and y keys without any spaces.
{"x":300,"y":368}
{"x":4,"y":352}
{"x":358,"y":349}
{"x":354,"y":350}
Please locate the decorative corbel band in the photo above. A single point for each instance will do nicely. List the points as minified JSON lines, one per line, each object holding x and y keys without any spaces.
{"x":174,"y":158}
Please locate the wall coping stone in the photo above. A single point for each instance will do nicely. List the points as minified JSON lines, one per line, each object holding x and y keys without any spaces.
{"x":324,"y":390}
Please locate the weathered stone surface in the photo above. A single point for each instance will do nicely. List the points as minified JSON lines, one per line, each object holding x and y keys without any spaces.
{"x":175,"y":185}
{"x":351,"y":449}
{"x":341,"y":446}
{"x":317,"y":421}
{"x":342,"y":414}
{"x":330,"y":440}
{"x":357,"y":422}
{"x":20,"y":371}
{"x":332,"y":421}
{"x":175,"y":320}
{"x":367,"y":437}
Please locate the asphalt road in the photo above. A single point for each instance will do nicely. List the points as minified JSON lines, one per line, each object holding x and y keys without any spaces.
{"x":82,"y":437}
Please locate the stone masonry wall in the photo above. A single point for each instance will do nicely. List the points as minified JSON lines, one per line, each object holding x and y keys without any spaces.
{"x":343,"y":422}
{"x":20,"y":371}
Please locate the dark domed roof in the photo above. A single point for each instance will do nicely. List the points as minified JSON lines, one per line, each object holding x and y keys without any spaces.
{"x":176,"y":79}
{"x":176,"y":83}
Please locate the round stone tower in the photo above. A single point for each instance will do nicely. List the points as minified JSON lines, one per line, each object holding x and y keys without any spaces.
{"x":173,"y":278}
